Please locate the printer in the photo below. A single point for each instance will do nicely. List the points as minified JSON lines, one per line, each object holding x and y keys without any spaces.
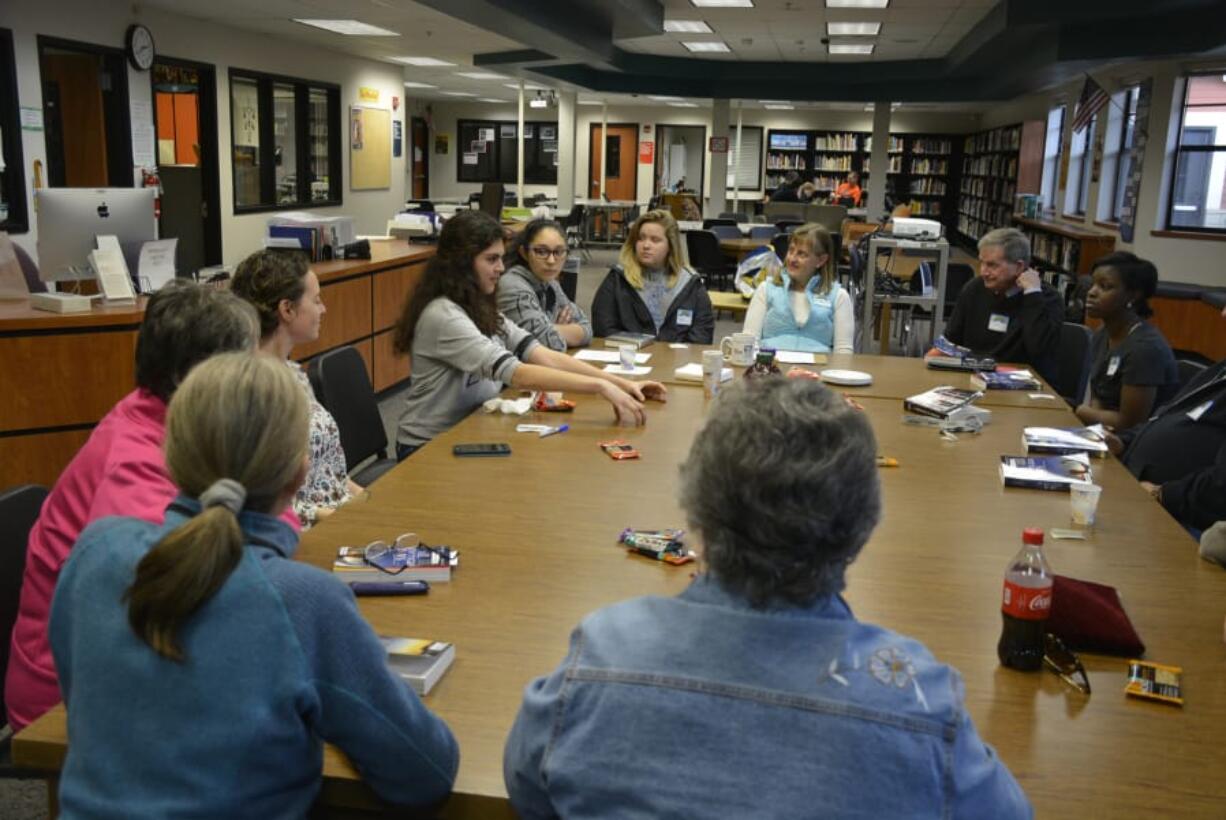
{"x":915,"y":228}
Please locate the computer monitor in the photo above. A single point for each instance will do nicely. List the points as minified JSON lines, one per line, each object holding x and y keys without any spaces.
{"x":71,"y":219}
{"x":491,"y":199}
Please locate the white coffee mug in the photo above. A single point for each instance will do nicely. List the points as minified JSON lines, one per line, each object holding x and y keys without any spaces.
{"x":739,"y":348}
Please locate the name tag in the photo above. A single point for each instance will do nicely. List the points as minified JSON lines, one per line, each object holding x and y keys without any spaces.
{"x":1113,"y":365}
{"x":998,"y":323}
{"x":1196,"y":412}
{"x":685,"y":318}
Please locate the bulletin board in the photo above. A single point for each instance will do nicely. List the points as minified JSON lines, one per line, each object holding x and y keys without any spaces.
{"x":370,"y":152}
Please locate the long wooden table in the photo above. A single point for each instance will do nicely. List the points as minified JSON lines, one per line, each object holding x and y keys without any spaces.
{"x":538,"y":529}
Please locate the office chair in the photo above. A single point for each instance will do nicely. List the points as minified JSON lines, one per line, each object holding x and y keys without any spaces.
{"x":780,"y":242}
{"x":735,"y":216}
{"x":788,"y":225}
{"x":19,"y":509}
{"x":1073,"y":366}
{"x":1188,"y":370}
{"x":29,"y":270}
{"x":491,"y":199}
{"x":957,"y":274}
{"x":706,"y":258}
{"x":573,"y":226}
{"x":708,"y":223}
{"x":725,"y":231}
{"x":345,"y":390}
{"x":762,"y":232}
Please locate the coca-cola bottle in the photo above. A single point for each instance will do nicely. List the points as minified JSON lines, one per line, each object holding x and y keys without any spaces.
{"x":764,"y":364}
{"x":1025,"y":605}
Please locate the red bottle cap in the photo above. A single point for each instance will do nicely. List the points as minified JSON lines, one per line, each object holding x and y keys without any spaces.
{"x":1032,"y":535}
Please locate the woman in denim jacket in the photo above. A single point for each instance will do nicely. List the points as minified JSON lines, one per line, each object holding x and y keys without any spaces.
{"x":756,"y":692}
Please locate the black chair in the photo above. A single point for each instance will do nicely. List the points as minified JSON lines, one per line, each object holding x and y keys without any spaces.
{"x":1073,"y":367}
{"x":1188,"y":370}
{"x":735,"y":216}
{"x":19,"y":508}
{"x":762,"y":232}
{"x":708,"y":223}
{"x":957,"y":275}
{"x":491,"y":199}
{"x":725,"y":231}
{"x":573,"y":226}
{"x":780,"y":242}
{"x":786,"y":225}
{"x":29,"y":270}
{"x":344,"y":389}
{"x":706,"y":258}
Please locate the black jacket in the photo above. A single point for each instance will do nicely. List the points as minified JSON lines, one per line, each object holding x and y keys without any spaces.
{"x":1186,"y":455}
{"x":1033,"y":335}
{"x":618,"y":308}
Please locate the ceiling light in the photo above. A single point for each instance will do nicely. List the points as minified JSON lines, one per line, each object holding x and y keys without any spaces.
{"x":458,"y":94}
{"x":850,"y":48}
{"x":481,"y":75}
{"x":773,"y":102}
{"x":707,"y":46}
{"x":683,"y":105}
{"x":857,"y":4}
{"x":723,"y":4}
{"x":527,"y":86}
{"x":490,"y":99}
{"x":779,"y":107}
{"x":590,"y":102}
{"x":665,"y":98}
{"x":868,"y":107}
{"x":687,"y":26}
{"x":350,"y":27}
{"x":421,"y":61}
{"x":408,"y":84}
{"x":853,"y":29}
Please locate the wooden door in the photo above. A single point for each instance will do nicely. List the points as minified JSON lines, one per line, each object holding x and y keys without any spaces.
{"x":419,"y":162}
{"x":622,"y":172}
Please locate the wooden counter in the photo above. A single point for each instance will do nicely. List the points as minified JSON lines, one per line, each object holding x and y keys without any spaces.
{"x":63,"y":372}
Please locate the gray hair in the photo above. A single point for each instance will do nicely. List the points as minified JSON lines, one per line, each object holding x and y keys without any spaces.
{"x":1015,"y":244}
{"x":781,"y":485}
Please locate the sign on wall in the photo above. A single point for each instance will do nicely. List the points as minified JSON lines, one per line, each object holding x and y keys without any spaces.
{"x":647,"y":152}
{"x":718,"y":145}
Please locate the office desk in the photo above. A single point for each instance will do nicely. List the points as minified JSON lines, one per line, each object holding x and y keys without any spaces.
{"x":734,"y":303}
{"x":540,"y":553}
{"x":64,"y":372}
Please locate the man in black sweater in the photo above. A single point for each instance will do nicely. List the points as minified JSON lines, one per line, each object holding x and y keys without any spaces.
{"x":1008,"y":312}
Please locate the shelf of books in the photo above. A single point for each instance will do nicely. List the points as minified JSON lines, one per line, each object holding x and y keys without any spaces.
{"x":997,"y":165}
{"x":1060,"y":248}
{"x":923,"y":170}
{"x":824,"y":157}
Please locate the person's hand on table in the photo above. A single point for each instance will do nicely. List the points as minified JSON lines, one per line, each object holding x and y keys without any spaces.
{"x":1154,"y":490}
{"x":626,"y":407}
{"x":642,"y":391}
{"x":1029,"y":280}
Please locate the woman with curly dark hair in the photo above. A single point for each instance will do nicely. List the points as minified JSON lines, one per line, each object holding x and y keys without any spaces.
{"x":464,"y":352}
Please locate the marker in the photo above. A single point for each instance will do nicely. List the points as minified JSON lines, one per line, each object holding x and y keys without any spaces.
{"x":886,"y":461}
{"x":389,"y":587}
{"x":560,"y":429}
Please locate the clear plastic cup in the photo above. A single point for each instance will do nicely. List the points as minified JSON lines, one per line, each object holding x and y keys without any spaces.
{"x":1084,"y":500}
{"x":625,"y":355}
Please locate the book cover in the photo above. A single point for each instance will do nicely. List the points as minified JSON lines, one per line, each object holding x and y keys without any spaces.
{"x":420,"y":662}
{"x":939,"y":402}
{"x":433,"y":564}
{"x":1006,"y":379}
{"x":639,"y":340}
{"x":1066,"y":440}
{"x":1045,"y":472}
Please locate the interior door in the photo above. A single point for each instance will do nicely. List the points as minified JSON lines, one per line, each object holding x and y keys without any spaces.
{"x":619,"y":149}
{"x":420,"y":158}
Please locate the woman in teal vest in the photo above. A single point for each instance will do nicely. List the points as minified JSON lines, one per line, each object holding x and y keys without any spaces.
{"x":802,"y":307}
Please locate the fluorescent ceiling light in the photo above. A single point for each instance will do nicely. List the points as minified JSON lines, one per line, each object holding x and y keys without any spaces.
{"x":458,"y":94}
{"x":779,"y":107}
{"x":683,"y":105}
{"x":707,"y":46}
{"x":723,"y":4}
{"x":350,"y":27}
{"x":408,"y":84}
{"x":687,"y":26}
{"x":422,"y":61}
{"x":665,"y":98}
{"x":774,"y":102}
{"x":853,"y":29}
{"x":857,"y":4}
{"x":538,"y":102}
{"x":850,"y":48}
{"x":481,"y":75}
{"x":590,"y":102}
{"x":490,"y":99}
{"x":527,"y":86}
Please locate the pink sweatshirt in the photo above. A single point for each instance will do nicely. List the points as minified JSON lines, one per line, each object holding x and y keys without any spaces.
{"x":121,"y":470}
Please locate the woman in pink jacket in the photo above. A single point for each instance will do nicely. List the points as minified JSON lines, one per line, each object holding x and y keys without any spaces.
{"x":120,"y":470}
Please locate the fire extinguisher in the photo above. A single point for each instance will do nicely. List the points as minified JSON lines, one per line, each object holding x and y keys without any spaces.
{"x":150,"y":179}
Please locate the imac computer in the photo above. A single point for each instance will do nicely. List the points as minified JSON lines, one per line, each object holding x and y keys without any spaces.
{"x":71,"y":219}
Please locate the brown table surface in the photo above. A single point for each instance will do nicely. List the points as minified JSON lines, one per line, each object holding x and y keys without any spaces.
{"x":539,"y":553}
{"x":732,"y":302}
{"x":740,"y":246}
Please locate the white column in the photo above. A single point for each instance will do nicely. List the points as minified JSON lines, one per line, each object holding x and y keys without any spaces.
{"x":566,"y":151}
{"x":717,"y":199}
{"x":604,"y":146}
{"x":879,"y":161}
{"x":519,"y":147}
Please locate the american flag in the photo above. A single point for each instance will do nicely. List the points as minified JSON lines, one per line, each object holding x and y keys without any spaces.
{"x":1093,"y":97}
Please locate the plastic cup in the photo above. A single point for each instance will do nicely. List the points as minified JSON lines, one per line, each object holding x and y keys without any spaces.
{"x":712,"y":369}
{"x":1084,"y":500}
{"x":625,"y":354}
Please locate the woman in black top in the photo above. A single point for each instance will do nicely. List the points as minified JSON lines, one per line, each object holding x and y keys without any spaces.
{"x":1132,"y":368}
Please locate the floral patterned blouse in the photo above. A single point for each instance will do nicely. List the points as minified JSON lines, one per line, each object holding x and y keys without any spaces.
{"x":327,"y":482}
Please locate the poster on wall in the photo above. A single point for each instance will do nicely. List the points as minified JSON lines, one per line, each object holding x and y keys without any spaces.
{"x":397,"y":137}
{"x":1132,"y":189}
{"x":441,"y":143}
{"x":470,"y":159}
{"x":647,"y":152}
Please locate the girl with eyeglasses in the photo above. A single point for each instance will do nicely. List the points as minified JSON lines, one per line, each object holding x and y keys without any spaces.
{"x":464,"y":352}
{"x":529,"y":293}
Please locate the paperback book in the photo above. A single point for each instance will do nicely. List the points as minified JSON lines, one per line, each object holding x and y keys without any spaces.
{"x":638,"y":340}
{"x":1005,"y":379}
{"x":939,"y":402}
{"x":420,"y":662}
{"x":1066,"y":440}
{"x":1046,"y":472}
{"x":433,"y":564}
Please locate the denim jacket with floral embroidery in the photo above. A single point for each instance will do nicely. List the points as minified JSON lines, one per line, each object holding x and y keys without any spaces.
{"x":700,"y":706}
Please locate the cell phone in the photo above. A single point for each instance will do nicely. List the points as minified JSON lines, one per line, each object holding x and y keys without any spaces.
{"x":390,"y":587}
{"x":618,"y":450}
{"x":499,"y":449}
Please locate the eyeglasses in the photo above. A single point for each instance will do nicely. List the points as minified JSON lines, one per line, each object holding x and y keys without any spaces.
{"x":383,"y":556}
{"x":1064,"y":662}
{"x":543,"y":253}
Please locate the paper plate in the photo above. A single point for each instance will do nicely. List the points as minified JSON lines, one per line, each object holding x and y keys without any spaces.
{"x":851,"y":378}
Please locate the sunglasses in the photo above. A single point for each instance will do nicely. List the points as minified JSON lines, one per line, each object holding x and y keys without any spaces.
{"x":1064,"y":662}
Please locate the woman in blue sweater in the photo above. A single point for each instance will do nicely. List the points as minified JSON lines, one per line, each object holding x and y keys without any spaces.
{"x":202,"y":668}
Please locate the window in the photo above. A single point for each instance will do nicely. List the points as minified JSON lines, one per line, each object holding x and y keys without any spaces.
{"x":489,"y":152}
{"x":286,"y":150}
{"x":1079,"y":165}
{"x":1051,"y":157}
{"x":1117,"y":151}
{"x":13,"y":218}
{"x":1198,"y":189}
{"x":745,"y":168}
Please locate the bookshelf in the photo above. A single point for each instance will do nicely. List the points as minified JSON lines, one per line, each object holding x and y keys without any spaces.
{"x":997,"y":165}
{"x":1058,"y":247}
{"x":823,"y":156}
{"x":924,"y":172}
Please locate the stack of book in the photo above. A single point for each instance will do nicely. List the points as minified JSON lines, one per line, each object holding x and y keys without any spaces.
{"x":433,"y":564}
{"x":1004,"y":378}
{"x":940,"y":402}
{"x":1066,"y":440}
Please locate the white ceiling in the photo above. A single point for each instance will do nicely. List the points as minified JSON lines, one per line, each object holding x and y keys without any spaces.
{"x":780,"y":30}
